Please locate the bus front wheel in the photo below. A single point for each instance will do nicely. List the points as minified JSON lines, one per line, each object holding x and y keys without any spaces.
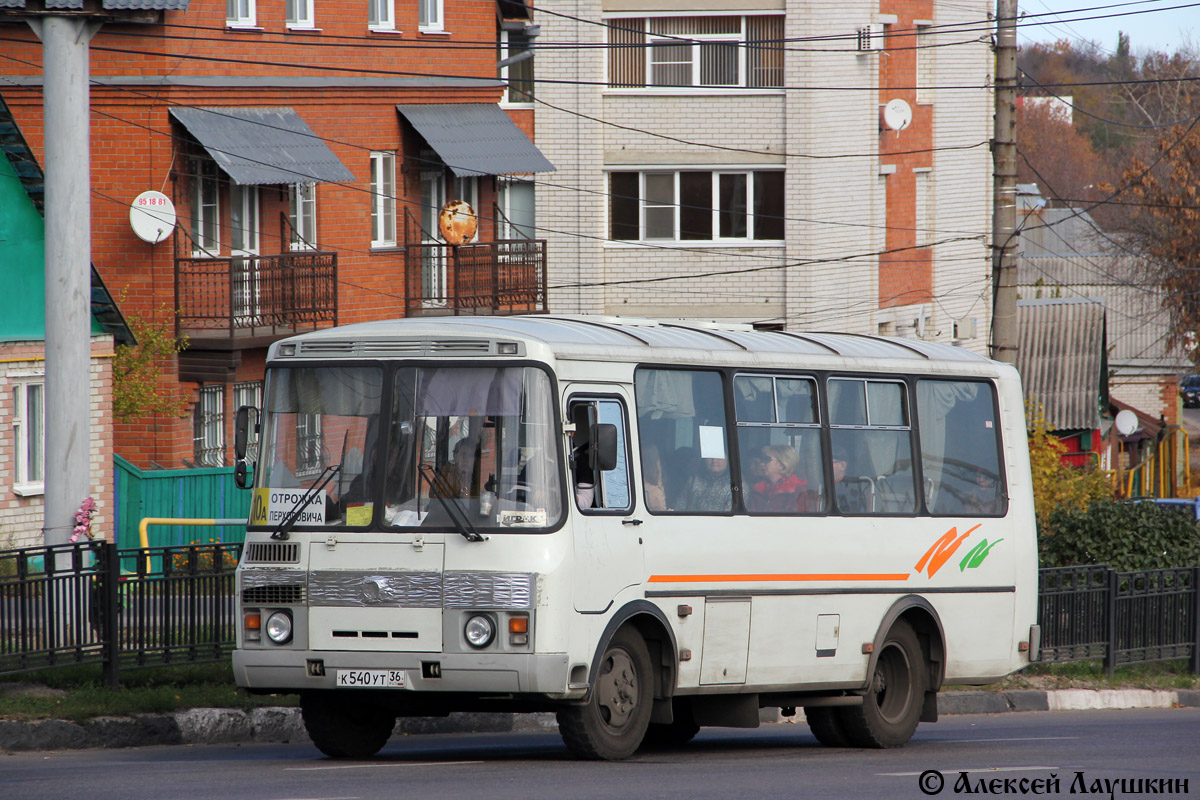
{"x":343,"y":727}
{"x":611,"y":724}
{"x":891,"y":707}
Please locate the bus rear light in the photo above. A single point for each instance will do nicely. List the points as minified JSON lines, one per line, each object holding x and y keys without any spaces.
{"x":253,"y":627}
{"x":518,"y":630}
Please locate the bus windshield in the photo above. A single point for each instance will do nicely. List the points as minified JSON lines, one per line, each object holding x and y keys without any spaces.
{"x":437,"y":447}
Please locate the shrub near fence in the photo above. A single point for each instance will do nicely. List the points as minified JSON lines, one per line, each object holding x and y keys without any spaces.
{"x":71,"y":604}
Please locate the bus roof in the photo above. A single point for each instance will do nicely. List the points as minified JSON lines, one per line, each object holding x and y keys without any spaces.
{"x":607,"y":337}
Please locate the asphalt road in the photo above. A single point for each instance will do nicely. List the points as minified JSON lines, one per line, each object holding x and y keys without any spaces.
{"x":781,"y":760}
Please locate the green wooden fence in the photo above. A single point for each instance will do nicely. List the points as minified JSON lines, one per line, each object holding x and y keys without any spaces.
{"x":192,"y":493}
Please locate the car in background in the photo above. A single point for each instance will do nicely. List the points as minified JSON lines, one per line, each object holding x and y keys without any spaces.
{"x":1189,"y":390}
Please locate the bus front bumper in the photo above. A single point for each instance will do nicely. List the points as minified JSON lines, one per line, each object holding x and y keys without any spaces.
{"x":295,"y":670}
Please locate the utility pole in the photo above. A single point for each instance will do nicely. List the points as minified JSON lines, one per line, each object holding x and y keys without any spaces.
{"x":1004,"y":187}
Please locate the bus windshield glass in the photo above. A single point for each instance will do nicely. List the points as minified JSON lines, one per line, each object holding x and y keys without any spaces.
{"x":437,"y":448}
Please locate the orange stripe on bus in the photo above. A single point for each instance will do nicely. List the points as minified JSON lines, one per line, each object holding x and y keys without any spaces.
{"x":817,"y":576}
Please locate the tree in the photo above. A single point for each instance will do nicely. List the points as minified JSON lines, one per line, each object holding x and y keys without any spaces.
{"x":1057,"y":485}
{"x":136,"y":370}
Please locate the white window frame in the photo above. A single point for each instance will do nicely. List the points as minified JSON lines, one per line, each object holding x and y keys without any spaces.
{"x":243,"y":16}
{"x":384,"y":13}
{"x":208,"y":440}
{"x":300,"y":14}
{"x":695,"y":85}
{"x":505,"y":72}
{"x":302,"y":214}
{"x":507,"y":187}
{"x":206,"y":216}
{"x":924,"y":54}
{"x":715,"y":204}
{"x":29,"y":436}
{"x":430,"y":16}
{"x":696,"y":41}
{"x":383,"y":199}
{"x":924,"y":195}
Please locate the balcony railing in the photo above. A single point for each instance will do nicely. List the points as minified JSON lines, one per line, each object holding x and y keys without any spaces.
{"x":256,"y":296}
{"x":502,"y":277}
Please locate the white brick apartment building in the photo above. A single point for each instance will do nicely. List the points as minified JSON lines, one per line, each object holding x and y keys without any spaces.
{"x":708,"y":108}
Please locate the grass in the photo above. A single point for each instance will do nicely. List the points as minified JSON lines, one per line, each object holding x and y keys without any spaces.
{"x":1090,"y":675}
{"x":79,"y":694}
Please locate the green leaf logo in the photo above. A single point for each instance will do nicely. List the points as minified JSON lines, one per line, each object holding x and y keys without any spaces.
{"x":978,"y":553}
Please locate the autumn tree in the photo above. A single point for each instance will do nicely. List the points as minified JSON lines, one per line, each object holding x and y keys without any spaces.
{"x":137,"y":367}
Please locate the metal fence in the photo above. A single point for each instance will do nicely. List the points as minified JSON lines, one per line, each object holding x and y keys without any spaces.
{"x":1094,"y":612}
{"x":91,"y":603}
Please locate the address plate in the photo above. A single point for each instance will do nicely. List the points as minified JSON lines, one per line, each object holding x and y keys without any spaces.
{"x":372,"y":678}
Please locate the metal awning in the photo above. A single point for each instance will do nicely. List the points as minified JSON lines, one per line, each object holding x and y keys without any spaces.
{"x":476,"y":138}
{"x":263,"y":145}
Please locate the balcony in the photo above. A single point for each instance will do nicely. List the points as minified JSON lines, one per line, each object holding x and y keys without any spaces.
{"x":504,"y":276}
{"x":239,"y":302}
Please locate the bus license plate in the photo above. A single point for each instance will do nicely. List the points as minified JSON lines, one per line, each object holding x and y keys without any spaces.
{"x":372,"y":678}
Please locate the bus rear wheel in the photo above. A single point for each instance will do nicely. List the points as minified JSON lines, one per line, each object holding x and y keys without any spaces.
{"x":611,"y":724}
{"x":344,"y":727}
{"x":891,"y":707}
{"x":826,"y":724}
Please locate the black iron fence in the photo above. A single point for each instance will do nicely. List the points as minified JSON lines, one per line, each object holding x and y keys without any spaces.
{"x":1094,"y":612}
{"x":91,"y":603}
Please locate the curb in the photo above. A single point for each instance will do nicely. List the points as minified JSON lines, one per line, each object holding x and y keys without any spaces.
{"x":283,"y":724}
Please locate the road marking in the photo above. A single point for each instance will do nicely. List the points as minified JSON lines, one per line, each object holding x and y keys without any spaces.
{"x":956,"y":771}
{"x":381,"y":766}
{"x":1024,"y":739}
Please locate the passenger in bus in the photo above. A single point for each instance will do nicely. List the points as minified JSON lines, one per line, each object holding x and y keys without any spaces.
{"x":582,"y":476}
{"x":848,"y":492}
{"x":982,"y":497}
{"x":652,"y":479}
{"x":708,"y":488}
{"x":458,"y":473}
{"x":780,"y":490}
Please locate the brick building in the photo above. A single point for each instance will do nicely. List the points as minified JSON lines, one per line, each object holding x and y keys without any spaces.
{"x":306,"y":148}
{"x":732,"y":159}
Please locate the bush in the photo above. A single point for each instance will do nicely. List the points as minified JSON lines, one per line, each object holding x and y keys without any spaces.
{"x":1124,"y":535}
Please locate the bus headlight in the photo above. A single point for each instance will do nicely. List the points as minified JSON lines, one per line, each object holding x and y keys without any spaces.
{"x":479,"y":630}
{"x":279,"y":627}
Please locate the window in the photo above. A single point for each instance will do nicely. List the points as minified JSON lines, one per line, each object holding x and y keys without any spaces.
{"x":924,"y":198}
{"x":429,"y":15}
{"x":779,"y":444}
{"x":205,"y":209}
{"x":599,"y":490}
{"x":433,"y":258}
{"x":696,"y":206}
{"x":208,"y":427}
{"x":249,"y":393}
{"x":28,"y":420}
{"x":381,"y":15}
{"x":383,"y":199}
{"x":302,"y":214}
{"x":706,"y":52}
{"x":243,"y":245}
{"x":240,"y":13}
{"x":516,"y":205}
{"x":872,"y":447}
{"x":960,"y":449}
{"x":518,"y":76}
{"x":681,"y":422}
{"x":299,"y":13}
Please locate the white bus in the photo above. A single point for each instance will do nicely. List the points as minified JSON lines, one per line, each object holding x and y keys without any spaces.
{"x":644,"y":526}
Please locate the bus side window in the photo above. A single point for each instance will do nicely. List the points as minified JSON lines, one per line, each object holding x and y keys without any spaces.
{"x":595,"y":489}
{"x":960,"y":456}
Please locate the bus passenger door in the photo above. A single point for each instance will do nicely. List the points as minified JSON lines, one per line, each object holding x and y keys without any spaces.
{"x":608,"y":549}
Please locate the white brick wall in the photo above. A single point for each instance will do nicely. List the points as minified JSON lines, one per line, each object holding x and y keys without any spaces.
{"x":825,"y":277}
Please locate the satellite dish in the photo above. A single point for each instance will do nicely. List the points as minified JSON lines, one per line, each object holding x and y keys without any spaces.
{"x":457,"y":222}
{"x":897,"y":115}
{"x":1126,"y":422}
{"x":152,"y":216}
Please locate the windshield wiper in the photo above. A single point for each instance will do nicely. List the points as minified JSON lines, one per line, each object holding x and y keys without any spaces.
{"x":293,"y":514}
{"x":439,"y":488}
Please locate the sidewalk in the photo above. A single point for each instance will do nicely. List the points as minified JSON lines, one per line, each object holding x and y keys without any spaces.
{"x":229,"y":726}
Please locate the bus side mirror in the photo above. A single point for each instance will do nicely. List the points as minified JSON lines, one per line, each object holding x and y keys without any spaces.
{"x":241,"y":476}
{"x":602,"y":447}
{"x":241,"y":432}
